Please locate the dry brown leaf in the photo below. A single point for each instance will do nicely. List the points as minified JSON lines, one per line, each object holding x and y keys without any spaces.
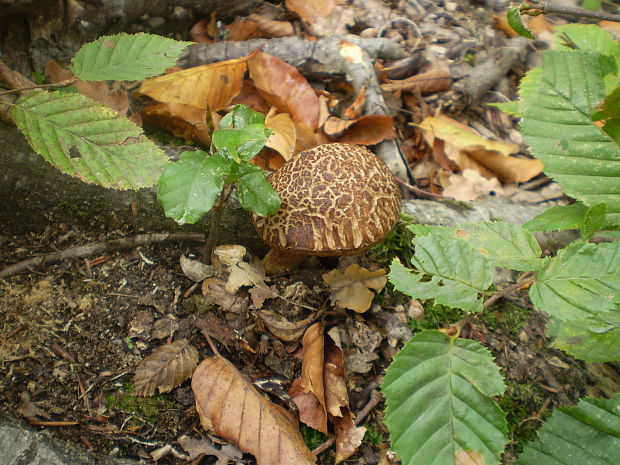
{"x":167,"y":367}
{"x":212,"y":85}
{"x":307,"y":138}
{"x":282,"y":328}
{"x":272,"y":28}
{"x":260,"y":293}
{"x":215,"y":288}
{"x":231,"y":407}
{"x":200,"y":31}
{"x":468,"y":149}
{"x":366,"y":130}
{"x":283,"y":136}
{"x":181,"y":120}
{"x":242,"y":29}
{"x":212,"y":326}
{"x":471,"y":185}
{"x":250,"y":97}
{"x":311,"y":10}
{"x":283,"y":86}
{"x":308,"y":391}
{"x":197,"y":447}
{"x":500,"y":22}
{"x":354,"y":110}
{"x":350,"y":289}
{"x":430,"y":82}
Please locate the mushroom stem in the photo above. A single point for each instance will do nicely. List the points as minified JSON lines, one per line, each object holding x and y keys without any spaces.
{"x":278,"y":261}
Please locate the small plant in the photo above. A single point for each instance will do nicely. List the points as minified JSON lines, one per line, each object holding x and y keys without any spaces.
{"x":89,"y":140}
{"x":444,"y":387}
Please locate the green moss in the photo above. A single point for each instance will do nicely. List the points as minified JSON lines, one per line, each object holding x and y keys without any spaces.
{"x":312,"y":437}
{"x":436,"y":316}
{"x":397,"y":243}
{"x":505,"y":317}
{"x":140,"y":408}
{"x":375,"y":436}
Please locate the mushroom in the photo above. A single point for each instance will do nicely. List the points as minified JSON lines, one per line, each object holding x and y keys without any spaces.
{"x":337,"y":199}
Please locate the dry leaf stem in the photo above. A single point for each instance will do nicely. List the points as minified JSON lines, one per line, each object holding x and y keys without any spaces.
{"x":216,"y":223}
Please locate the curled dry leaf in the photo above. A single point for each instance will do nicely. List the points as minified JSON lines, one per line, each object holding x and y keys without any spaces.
{"x":282,"y":328}
{"x":181,"y":120}
{"x":308,"y":391}
{"x":197,"y":447}
{"x":231,"y":407}
{"x":468,"y":149}
{"x":212,"y":86}
{"x":350,"y":289}
{"x":430,"y":82}
{"x":283,"y":136}
{"x":283,"y":86}
{"x":366,"y":130}
{"x":167,"y":367}
{"x":215,"y":288}
{"x":471,"y":185}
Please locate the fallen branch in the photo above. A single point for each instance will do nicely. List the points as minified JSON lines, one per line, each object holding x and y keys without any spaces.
{"x":537,"y":7}
{"x":89,"y":250}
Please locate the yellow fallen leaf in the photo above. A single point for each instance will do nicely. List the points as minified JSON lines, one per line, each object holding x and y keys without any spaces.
{"x":350,"y":289}
{"x":212,"y":85}
{"x":468,"y":149}
{"x":283,"y":134}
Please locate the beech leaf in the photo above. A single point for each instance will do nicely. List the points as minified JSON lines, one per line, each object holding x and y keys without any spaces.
{"x":350,"y":289}
{"x":167,"y":367}
{"x":231,"y":407}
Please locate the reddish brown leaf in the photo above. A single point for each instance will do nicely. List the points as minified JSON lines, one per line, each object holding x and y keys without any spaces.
{"x":311,"y":10}
{"x":355,"y":109}
{"x":181,"y":120}
{"x":231,"y":407}
{"x":212,"y":86}
{"x":309,"y":393}
{"x":249,"y":96}
{"x":283,"y":86}
{"x":307,"y":138}
{"x":242,"y":29}
{"x":167,"y":367}
{"x":370,"y":130}
{"x":271,"y":28}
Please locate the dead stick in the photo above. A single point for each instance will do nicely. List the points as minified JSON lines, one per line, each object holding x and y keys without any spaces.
{"x":375,"y":397}
{"x":526,"y":281}
{"x":552,"y":7}
{"x":97,"y":248}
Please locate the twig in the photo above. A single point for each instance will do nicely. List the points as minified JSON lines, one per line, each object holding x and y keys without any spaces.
{"x":65,"y":83}
{"x":537,"y":7}
{"x":97,"y":248}
{"x":525,"y":281}
{"x":375,"y":397}
{"x":422,"y":193}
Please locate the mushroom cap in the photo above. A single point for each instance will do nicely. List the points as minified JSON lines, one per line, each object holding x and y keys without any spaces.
{"x":337,"y":199}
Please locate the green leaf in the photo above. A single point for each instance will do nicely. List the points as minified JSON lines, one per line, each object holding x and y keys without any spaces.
{"x":593,"y":221}
{"x":503,"y":244}
{"x":88,"y":140}
{"x":594,"y":339}
{"x":458,"y":273}
{"x":439,"y":402}
{"x":512,"y":108}
{"x":254,"y":191}
{"x":556,"y":124}
{"x":588,"y":433}
{"x":241,"y":116}
{"x":188,"y":188}
{"x":514,"y":21}
{"x":583,"y":280}
{"x":589,"y":38}
{"x":558,"y":218}
{"x":241,"y":144}
{"x":125,"y":57}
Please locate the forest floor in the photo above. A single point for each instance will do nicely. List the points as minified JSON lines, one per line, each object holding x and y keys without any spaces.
{"x":73,"y":334}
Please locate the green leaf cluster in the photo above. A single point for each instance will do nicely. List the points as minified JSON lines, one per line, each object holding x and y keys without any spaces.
{"x":570,"y":110}
{"x":190,"y":187}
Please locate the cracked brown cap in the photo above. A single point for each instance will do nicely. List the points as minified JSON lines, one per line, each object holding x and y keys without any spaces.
{"x":337,"y":199}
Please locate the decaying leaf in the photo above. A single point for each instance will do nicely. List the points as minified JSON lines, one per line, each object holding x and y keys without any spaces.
{"x":167,"y":367}
{"x":211,"y":85}
{"x":468,"y":149}
{"x":197,"y":447}
{"x":350,"y":289}
{"x":308,"y":391}
{"x":272,"y":28}
{"x":282,"y":328}
{"x":311,"y":10}
{"x":194,"y":269}
{"x":471,"y":185}
{"x":261,"y":292}
{"x":231,"y":407}
{"x":284,"y":87}
{"x":184,"y":121}
{"x":215,"y":288}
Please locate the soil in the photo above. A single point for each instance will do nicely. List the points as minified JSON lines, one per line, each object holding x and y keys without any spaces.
{"x":73,"y":334}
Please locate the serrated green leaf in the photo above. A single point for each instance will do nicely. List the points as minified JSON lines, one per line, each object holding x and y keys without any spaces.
{"x":588,"y":433}
{"x":503,"y":244}
{"x":583,"y":280}
{"x":587,"y":37}
{"x":188,"y":188}
{"x":458,"y":273}
{"x":439,"y":403}
{"x":558,"y":218}
{"x":254,"y":191}
{"x":556,"y":124}
{"x":514,"y":21}
{"x":593,"y":221}
{"x":126,"y":57}
{"x":241,"y":116}
{"x":595,"y":339}
{"x":241,"y":144}
{"x":88,"y":140}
